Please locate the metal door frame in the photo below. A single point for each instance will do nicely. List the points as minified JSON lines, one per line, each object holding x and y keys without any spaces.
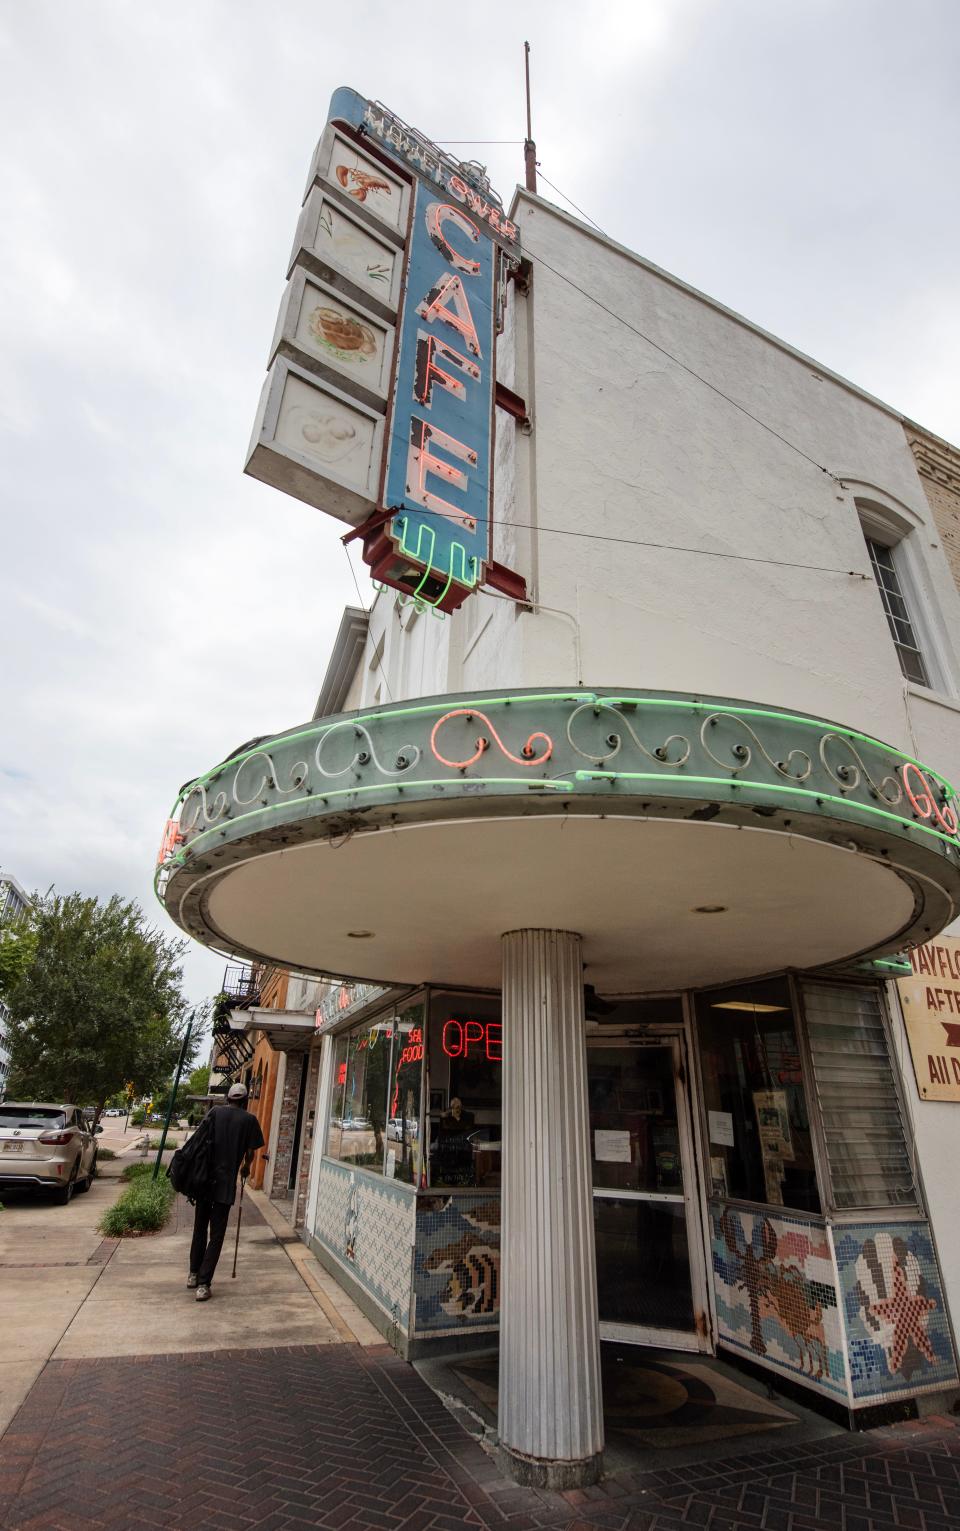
{"x":697,"y":1338}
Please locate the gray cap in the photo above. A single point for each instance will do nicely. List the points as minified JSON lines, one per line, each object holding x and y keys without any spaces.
{"x":237,"y":1092}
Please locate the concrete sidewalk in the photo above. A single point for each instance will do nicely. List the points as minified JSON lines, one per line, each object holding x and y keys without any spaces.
{"x":67,"y":1293}
{"x":276,"y":1407}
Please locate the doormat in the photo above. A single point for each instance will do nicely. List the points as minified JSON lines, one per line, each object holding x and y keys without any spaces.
{"x":648,"y":1401}
{"x":653,"y":1402}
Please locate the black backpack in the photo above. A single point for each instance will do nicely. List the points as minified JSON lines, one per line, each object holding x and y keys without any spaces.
{"x":191,"y":1169}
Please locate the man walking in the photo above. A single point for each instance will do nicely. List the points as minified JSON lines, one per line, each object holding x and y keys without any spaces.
{"x":236,"y":1136}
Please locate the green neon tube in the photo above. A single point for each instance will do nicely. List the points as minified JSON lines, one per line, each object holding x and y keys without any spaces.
{"x":582,"y":699}
{"x":766,"y":786}
{"x":325,"y":725}
{"x":548,"y":784}
{"x":784,"y":717}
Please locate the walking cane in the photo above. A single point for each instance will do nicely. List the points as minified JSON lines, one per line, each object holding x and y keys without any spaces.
{"x":243,"y":1181}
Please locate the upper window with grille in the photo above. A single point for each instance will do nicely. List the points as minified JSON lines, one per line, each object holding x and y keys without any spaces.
{"x":901,"y":624}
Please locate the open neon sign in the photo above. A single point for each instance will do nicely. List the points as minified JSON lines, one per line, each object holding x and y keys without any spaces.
{"x":463,"y":1039}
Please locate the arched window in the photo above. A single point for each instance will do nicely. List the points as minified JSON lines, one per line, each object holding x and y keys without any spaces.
{"x":899,"y":578}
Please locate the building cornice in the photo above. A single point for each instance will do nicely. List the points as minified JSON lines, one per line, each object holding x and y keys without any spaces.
{"x":344,"y":659}
{"x":936,"y":460}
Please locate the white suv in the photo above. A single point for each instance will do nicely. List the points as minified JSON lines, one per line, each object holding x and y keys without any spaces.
{"x":50,"y":1146}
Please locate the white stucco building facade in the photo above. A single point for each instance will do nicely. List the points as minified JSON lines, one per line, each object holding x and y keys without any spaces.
{"x":616,"y":874}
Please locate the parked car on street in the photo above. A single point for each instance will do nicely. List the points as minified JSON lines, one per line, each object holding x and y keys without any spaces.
{"x":46,"y":1145}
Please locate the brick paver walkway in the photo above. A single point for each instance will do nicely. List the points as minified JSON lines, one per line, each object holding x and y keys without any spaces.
{"x":354,"y":1440}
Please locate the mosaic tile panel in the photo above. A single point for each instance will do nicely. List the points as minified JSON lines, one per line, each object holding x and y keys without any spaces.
{"x":368,"y":1224}
{"x":776,"y":1295}
{"x":456,"y":1272}
{"x":898,"y":1333}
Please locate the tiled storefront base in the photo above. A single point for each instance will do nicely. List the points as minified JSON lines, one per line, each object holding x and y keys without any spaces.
{"x":776,"y":1295}
{"x":456,"y":1271}
{"x":364,"y":1233}
{"x":898,"y":1333}
{"x":854,"y":1312}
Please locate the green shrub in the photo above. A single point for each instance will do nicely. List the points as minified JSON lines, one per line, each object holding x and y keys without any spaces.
{"x":171,"y":1143}
{"x":142,"y":1208}
{"x":138,"y":1117}
{"x":105,"y":1153}
{"x":135,"y":1170}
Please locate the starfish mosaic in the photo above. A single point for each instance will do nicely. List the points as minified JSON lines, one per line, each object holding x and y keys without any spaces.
{"x":907,"y":1312}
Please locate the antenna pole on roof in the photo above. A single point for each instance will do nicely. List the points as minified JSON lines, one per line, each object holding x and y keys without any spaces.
{"x":529,"y":147}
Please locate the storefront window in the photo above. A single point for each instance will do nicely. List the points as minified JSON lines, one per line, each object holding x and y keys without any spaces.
{"x":403,"y":1156}
{"x":465,"y":1066}
{"x":758,"y":1127}
{"x":365,"y":1071}
{"x":375,"y":1098}
{"x":867,"y":1152}
{"x":341,"y":1052}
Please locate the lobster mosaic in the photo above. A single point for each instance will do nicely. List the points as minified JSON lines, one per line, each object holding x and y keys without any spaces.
{"x":777,"y":1295}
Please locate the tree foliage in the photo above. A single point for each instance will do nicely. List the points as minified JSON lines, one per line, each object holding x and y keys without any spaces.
{"x":97,"y":1005}
{"x":18,"y":943}
{"x":195,"y":1084}
{"x":199,"y":1080}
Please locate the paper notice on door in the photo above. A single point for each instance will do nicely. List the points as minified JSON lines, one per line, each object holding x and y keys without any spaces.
{"x":611,"y":1147}
{"x":721,"y":1127}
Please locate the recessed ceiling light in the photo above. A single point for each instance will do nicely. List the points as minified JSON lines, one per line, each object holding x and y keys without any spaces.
{"x":709,"y":909}
{"x":745,"y":1004}
{"x":360,"y":935}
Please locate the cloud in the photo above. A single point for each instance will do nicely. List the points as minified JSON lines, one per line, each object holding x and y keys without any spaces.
{"x":160,"y":607}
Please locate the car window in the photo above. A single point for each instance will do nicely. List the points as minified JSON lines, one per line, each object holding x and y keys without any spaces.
{"x":30,"y":1116}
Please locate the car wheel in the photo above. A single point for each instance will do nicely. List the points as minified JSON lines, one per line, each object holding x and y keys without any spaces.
{"x":87,"y":1181}
{"x":64,"y":1193}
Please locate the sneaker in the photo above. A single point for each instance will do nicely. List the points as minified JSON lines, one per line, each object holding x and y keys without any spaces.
{"x":192,"y":1279}
{"x":203,"y":1292}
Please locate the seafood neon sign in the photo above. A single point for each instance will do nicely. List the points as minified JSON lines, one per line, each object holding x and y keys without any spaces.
{"x":923,"y":799}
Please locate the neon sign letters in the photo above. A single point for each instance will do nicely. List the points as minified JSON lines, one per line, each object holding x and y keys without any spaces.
{"x":463,"y":1039}
{"x":922,"y":798}
{"x":425,"y":158}
{"x":439,"y":457}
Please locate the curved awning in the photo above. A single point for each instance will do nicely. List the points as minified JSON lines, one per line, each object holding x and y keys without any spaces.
{"x":688,"y":839}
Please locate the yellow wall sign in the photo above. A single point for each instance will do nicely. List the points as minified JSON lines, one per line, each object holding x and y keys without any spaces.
{"x":931,"y":1009}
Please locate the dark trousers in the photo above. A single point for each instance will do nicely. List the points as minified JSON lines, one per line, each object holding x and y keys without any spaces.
{"x":209,"y":1227}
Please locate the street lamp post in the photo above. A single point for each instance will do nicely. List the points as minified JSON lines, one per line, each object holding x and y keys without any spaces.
{"x":173,"y":1093}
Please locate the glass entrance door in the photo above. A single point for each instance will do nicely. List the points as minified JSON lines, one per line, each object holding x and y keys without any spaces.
{"x":642,"y":1192}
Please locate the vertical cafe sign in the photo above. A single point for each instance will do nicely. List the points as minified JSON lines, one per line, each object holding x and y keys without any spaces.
{"x":379,"y":401}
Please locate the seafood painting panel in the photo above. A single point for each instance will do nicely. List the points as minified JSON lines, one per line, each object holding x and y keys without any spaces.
{"x":776,"y":1295}
{"x":325,"y":332}
{"x":456,"y":1273}
{"x":338,"y":248}
{"x":363,"y":182}
{"x":898,"y":1331}
{"x":317,"y":443}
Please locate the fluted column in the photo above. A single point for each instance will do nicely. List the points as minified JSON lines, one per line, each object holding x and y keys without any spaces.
{"x":550,"y":1410}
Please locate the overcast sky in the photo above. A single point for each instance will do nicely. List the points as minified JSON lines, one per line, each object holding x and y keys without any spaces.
{"x":796,"y":159}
